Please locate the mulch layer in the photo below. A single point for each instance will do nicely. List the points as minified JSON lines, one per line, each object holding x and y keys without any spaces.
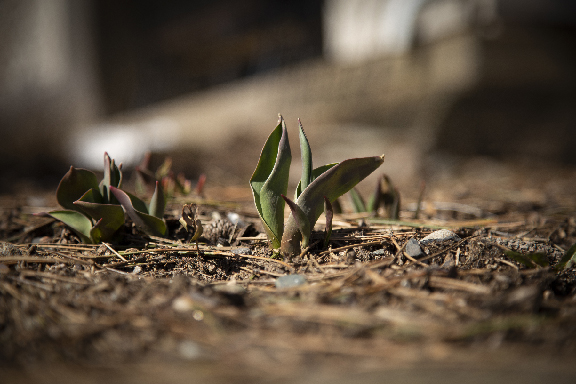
{"x":237,"y":304}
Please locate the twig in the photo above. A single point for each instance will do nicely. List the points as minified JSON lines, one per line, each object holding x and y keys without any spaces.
{"x":448,"y":283}
{"x":53,"y":276}
{"x":414,"y":260}
{"x":76,"y":247}
{"x":305,"y":250}
{"x":123,"y":263}
{"x":508,"y":263}
{"x":113,"y":270}
{"x":114,"y":252}
{"x":346,"y":247}
{"x":262,"y":271}
{"x":76,"y":261}
{"x":29,"y":259}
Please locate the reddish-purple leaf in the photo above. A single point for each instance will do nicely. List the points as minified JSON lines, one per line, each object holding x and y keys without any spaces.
{"x":149,"y":224}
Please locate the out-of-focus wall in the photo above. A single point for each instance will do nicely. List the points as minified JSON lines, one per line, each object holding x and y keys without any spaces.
{"x":360,"y":30}
{"x":78,"y":77}
{"x":47,"y":83}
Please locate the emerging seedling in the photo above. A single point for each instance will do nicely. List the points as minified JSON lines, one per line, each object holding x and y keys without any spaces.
{"x":95,"y":211}
{"x":317,"y":189}
{"x":385,"y":195}
{"x":172,"y":184}
{"x":190,"y":222}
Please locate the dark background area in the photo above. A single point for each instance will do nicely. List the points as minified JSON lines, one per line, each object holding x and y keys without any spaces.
{"x":151,"y":51}
{"x":110,"y":58}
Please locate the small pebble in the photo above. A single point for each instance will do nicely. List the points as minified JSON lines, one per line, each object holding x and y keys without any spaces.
{"x":440,"y":235}
{"x":241,"y":251}
{"x":379,"y":252}
{"x":289,"y":281}
{"x":413,"y":248}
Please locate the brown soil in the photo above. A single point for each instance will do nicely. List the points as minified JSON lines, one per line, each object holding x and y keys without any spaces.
{"x":154,"y":310}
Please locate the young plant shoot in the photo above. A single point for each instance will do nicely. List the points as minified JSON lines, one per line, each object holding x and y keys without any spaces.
{"x":95,"y":211}
{"x":317,"y":189}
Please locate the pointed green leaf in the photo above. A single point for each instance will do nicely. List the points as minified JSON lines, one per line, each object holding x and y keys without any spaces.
{"x":199,"y":190}
{"x":112,"y":178}
{"x":301,"y":221}
{"x":331,"y":184}
{"x":106,"y":180}
{"x":390,"y":199}
{"x":151,"y":225}
{"x":73,"y":185}
{"x":266,"y":161}
{"x":375,"y":199}
{"x":77,"y":221}
{"x":144,"y":181}
{"x":117,"y":175}
{"x":157,"y":203}
{"x":539,"y":258}
{"x":164,"y":169}
{"x":270,"y":180}
{"x":335,"y":182}
{"x":329,"y":213}
{"x":91,"y":196}
{"x":109,"y":217}
{"x":357,"y":201}
{"x":530,"y":260}
{"x":315,"y":173}
{"x":306,"y":156}
{"x":137,"y":203}
{"x":568,"y":259}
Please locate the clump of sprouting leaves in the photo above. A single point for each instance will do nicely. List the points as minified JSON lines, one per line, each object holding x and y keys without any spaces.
{"x":96,"y":210}
{"x":191,"y":223}
{"x":385,"y":195}
{"x":172,"y":184}
{"x":317,"y":190}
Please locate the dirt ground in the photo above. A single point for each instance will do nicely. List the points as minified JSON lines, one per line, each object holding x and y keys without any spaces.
{"x":154,"y":310}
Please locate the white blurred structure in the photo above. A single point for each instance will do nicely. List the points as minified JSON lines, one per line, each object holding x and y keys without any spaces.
{"x":355,"y":32}
{"x":359,"y":30}
{"x":395,"y":67}
{"x":125,"y":143}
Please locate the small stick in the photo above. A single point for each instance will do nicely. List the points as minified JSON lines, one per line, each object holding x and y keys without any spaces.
{"x":114,"y":252}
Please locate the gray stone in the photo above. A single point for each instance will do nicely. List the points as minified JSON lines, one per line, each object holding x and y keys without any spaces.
{"x":289,"y":281}
{"x":413,"y":248}
{"x":241,"y":251}
{"x":440,"y":235}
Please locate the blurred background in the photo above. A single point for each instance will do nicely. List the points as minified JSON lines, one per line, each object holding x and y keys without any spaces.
{"x":427,"y":82}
